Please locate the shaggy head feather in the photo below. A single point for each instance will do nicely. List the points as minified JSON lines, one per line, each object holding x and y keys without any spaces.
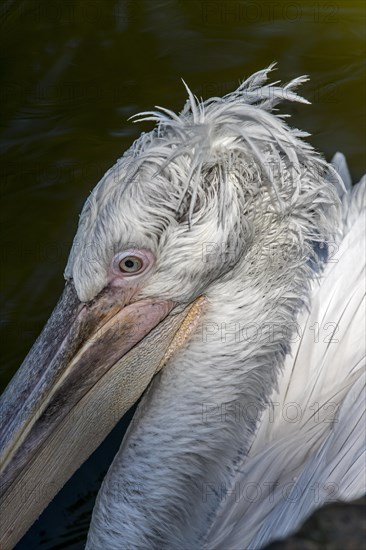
{"x":225,"y":172}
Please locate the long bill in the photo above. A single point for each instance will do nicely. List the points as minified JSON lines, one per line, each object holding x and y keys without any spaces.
{"x":90,"y":364}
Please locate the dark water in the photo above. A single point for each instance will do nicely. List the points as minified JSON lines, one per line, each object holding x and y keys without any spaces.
{"x":74,"y":71}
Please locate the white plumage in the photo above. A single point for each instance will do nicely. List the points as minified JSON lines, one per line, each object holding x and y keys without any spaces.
{"x":258,"y":421}
{"x":309,"y":448}
{"x":240,"y":241}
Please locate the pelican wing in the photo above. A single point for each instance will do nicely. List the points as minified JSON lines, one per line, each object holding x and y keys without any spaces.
{"x":309,"y":448}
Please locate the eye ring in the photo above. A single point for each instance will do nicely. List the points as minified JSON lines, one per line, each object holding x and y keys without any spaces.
{"x":132,"y":262}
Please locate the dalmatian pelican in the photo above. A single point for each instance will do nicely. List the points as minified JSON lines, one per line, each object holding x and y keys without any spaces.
{"x":218,"y":271}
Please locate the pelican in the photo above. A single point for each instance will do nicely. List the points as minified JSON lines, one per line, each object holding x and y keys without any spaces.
{"x":217,"y":271}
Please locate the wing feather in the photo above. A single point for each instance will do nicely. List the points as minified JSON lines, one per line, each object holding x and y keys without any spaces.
{"x":309,"y":448}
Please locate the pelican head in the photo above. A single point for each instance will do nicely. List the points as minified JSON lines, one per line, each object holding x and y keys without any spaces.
{"x":207,"y":228}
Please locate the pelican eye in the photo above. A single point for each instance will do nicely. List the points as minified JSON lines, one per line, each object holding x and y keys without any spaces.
{"x":130,"y":264}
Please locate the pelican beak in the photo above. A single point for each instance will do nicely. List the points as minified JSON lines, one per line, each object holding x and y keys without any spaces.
{"x":90,"y":364}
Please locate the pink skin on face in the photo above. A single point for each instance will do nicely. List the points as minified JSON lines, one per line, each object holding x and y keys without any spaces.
{"x":127,"y":273}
